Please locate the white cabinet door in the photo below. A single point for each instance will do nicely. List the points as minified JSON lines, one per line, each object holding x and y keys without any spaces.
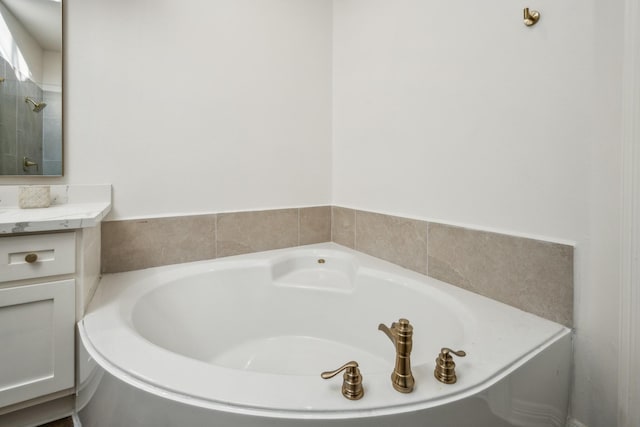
{"x":36,"y":340}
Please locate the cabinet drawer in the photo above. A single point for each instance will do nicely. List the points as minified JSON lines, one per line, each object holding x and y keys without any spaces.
{"x":26,"y":257}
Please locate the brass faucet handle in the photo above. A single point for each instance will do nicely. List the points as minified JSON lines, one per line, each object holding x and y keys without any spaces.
{"x":330,"y":374}
{"x":459,"y":353}
{"x":352,"y":380}
{"x":445,"y":371}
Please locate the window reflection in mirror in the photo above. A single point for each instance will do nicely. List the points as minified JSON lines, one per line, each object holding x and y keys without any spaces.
{"x":30,"y":87}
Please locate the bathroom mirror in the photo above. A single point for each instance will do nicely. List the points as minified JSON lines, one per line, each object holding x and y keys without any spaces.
{"x":31,"y":87}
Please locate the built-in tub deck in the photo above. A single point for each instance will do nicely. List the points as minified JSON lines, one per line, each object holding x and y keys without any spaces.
{"x":251,"y":334}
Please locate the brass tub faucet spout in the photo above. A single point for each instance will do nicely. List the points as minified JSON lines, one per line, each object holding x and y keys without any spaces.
{"x":401,"y":335}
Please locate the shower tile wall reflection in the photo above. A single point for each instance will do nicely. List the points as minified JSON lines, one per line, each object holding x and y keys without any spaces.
{"x":25,"y":133}
{"x":8,"y":119}
{"x":29,"y":128}
{"x":52,"y":134}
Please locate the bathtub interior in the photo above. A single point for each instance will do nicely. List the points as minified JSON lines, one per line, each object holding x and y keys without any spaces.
{"x":295,"y":316}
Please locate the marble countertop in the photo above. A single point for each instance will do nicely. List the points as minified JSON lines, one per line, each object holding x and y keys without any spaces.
{"x":72,"y":207}
{"x":61,"y":217}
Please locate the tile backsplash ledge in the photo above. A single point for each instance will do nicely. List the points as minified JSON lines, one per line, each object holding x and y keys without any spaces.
{"x":533,"y":275}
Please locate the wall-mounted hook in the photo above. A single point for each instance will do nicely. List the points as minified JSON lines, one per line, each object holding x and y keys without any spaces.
{"x":531,"y":17}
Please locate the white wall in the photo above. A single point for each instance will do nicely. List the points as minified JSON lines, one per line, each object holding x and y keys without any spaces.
{"x":457,"y":112}
{"x":485,"y":116}
{"x":199,"y":105}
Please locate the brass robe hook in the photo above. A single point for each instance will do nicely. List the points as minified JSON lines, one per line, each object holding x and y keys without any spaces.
{"x":531,"y":17}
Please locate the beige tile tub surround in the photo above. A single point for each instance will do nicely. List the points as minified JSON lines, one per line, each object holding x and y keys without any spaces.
{"x":143,"y":243}
{"x":246,"y":232}
{"x":136,"y":244}
{"x":395,"y":239}
{"x":315,"y":225}
{"x":533,"y":275}
{"x":343,"y":226}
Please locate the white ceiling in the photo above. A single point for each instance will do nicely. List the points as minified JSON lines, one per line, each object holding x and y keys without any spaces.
{"x":41,"y":18}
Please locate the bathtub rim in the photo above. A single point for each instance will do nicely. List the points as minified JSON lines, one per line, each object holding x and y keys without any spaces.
{"x":300,"y":414}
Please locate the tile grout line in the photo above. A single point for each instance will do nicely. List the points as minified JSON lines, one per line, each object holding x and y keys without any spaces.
{"x":298,"y":226}
{"x":215,"y":240}
{"x":355,"y":229}
{"x":427,"y":255}
{"x":331,"y":223}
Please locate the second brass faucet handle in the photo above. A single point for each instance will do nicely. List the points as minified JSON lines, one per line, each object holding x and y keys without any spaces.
{"x":445,"y":370}
{"x":459,"y":353}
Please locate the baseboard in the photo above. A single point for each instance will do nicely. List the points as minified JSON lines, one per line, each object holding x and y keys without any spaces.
{"x":572,"y":422}
{"x":39,"y":413}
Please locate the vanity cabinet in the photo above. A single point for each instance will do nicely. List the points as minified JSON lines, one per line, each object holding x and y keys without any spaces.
{"x":49,"y":270}
{"x":37,"y":316}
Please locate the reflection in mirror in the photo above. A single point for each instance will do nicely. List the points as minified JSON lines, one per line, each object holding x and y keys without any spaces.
{"x":30,"y":87}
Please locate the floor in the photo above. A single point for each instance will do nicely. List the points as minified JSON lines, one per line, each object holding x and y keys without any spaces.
{"x":65,"y":422}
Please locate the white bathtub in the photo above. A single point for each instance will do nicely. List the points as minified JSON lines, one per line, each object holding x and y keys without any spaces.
{"x":241,"y":341}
